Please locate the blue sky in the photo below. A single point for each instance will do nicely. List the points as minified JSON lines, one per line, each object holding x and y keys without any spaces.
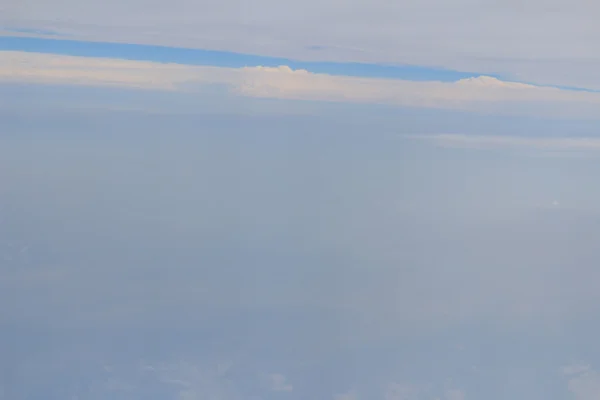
{"x":285,"y":217}
{"x":219,"y":58}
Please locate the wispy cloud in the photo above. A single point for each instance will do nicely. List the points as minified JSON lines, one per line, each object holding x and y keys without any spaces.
{"x":28,"y":32}
{"x":401,"y":391}
{"x":584,"y":382}
{"x":193,"y":381}
{"x":351,"y":395}
{"x":575,"y":369}
{"x":279,"y":383}
{"x":512,"y":142}
{"x":455,"y":394}
{"x":483,"y":94}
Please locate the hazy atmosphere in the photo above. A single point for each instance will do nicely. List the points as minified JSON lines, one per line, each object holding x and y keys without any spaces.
{"x":207,"y":201}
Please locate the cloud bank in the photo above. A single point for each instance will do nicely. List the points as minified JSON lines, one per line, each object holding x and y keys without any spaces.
{"x":482,"y":93}
{"x":548,"y":42}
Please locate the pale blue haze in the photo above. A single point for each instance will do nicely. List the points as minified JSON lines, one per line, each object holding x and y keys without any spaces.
{"x":143,"y":253}
{"x":208,"y":238}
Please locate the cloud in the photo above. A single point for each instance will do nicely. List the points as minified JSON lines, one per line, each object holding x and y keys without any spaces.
{"x":562,"y":144}
{"x":575,"y":369}
{"x":194,"y":382}
{"x":542,"y":41}
{"x":54,"y":69}
{"x":351,"y":395}
{"x":455,"y":394}
{"x":584,"y":382}
{"x":401,"y":391}
{"x":482,"y":94}
{"x":405,"y":391}
{"x":279,"y":383}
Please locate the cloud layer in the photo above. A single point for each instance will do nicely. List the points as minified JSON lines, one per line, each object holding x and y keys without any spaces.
{"x":546,"y":42}
{"x":295,"y":257}
{"x":483,"y":94}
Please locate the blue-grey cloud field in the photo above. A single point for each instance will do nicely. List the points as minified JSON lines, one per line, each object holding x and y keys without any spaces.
{"x":221,"y":205}
{"x":163,"y":255}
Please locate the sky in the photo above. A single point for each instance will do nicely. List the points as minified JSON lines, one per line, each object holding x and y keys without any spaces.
{"x":318,"y":200}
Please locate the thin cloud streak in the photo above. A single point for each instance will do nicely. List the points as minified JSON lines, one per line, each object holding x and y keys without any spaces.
{"x":512,"y":142}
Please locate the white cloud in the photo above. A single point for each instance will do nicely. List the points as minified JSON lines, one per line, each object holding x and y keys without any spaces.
{"x":584,"y":382}
{"x":575,"y":369}
{"x":542,"y":41}
{"x":195,"y":382}
{"x":351,"y":395}
{"x":279,"y":383}
{"x":454,"y":394}
{"x":484,"y":94}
